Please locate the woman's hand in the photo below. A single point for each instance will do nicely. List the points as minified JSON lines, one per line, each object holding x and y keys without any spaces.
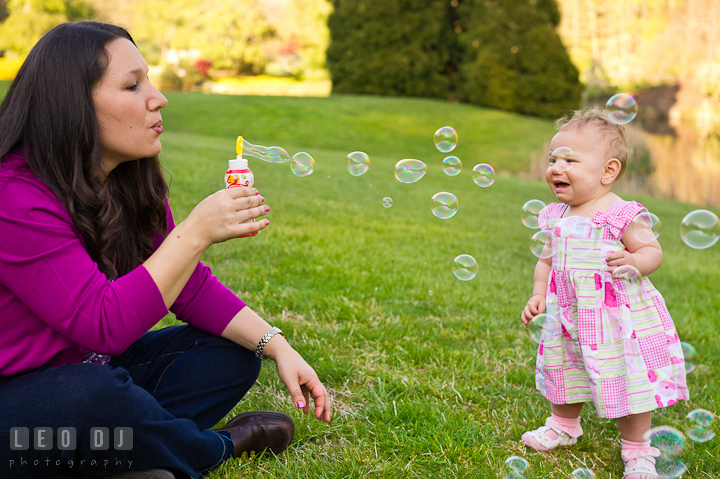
{"x":222,"y":215}
{"x":534,"y":306}
{"x":302,"y":382}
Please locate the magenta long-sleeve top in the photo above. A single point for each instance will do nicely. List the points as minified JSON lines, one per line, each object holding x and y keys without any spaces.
{"x":56,"y":305}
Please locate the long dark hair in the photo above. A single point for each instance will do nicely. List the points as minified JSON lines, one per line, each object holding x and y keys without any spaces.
{"x":48,"y":111}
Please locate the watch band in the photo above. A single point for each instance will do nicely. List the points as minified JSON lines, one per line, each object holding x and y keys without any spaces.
{"x":261,"y":345}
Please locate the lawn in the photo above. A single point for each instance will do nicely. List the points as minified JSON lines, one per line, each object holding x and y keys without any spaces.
{"x":431,"y":376}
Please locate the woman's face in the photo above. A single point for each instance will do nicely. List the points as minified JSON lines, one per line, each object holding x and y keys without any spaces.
{"x":127,"y":107}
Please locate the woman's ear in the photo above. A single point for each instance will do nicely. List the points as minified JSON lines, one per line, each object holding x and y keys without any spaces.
{"x":611,"y":171}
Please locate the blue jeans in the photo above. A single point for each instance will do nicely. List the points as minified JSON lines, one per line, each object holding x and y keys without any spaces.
{"x":169,"y":387}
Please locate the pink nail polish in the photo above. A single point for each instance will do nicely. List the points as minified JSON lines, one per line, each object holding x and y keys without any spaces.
{"x":267,"y":222}
{"x":300,"y":404}
{"x":267,"y":208}
{"x":257,"y":192}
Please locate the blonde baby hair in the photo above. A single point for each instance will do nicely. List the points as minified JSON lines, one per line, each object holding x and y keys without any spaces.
{"x":617,"y":144}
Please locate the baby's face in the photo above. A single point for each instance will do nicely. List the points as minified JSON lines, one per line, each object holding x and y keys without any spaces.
{"x":581,"y":180}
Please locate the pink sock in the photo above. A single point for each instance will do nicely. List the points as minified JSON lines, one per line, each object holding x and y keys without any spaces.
{"x":571,"y":426}
{"x":632,"y":450}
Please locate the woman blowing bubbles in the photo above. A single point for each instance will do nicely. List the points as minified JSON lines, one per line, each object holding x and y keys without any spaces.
{"x":90,"y":260}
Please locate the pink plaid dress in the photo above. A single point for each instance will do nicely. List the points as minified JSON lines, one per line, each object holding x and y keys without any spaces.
{"x":609,"y":340}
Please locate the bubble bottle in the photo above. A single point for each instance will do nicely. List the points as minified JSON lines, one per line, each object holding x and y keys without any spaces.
{"x":239,"y":174}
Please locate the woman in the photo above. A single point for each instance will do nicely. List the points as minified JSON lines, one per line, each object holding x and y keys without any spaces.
{"x":90,"y":260}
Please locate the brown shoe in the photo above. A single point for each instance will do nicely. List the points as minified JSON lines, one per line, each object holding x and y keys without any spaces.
{"x":258,"y":431}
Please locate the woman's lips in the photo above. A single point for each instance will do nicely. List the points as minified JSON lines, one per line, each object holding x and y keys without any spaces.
{"x":157,"y":127}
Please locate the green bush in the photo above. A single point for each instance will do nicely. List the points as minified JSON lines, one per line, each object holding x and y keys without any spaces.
{"x":514,"y":59}
{"x":391,"y":47}
{"x":503,"y":54}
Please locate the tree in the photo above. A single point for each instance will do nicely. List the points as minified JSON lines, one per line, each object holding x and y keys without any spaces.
{"x":28,"y":20}
{"x":391,"y":47}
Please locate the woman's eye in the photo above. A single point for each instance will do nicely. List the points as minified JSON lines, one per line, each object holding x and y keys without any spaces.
{"x":133,"y":87}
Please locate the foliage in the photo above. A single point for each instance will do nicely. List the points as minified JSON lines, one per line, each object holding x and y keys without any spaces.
{"x":28,"y":20}
{"x":10,"y":66}
{"x":392,"y":47}
{"x":514,"y":59}
{"x":503,"y":54}
{"x":631,"y":44}
{"x":424,"y":385}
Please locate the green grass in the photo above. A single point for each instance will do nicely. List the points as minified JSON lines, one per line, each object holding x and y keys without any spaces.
{"x":431,"y":376}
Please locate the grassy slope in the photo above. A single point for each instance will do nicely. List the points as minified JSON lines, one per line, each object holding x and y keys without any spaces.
{"x":431,"y":376}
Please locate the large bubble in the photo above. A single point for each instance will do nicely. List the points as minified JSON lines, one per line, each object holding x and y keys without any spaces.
{"x":702,"y":425}
{"x":671,"y":443}
{"x":358,"y":162}
{"x":444,"y":205}
{"x":516,"y":467}
{"x":452,"y":165}
{"x":536,"y":326}
{"x":583,"y":473}
{"x":530,"y":212}
{"x":446,"y":139}
{"x":688,"y":356}
{"x":700,"y":229}
{"x":622,"y":108}
{"x":409,"y":171}
{"x":541,"y":244}
{"x":646,"y":227}
{"x":465,"y":267}
{"x":302,"y":164}
{"x":483,"y":175}
{"x":562,"y":158}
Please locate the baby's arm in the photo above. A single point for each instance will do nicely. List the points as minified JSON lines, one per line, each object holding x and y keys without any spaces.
{"x":536,"y":304}
{"x":646,"y":257}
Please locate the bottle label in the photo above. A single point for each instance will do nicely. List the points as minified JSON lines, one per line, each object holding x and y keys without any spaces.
{"x":237,"y":178}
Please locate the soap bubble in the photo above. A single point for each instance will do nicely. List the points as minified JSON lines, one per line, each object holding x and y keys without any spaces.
{"x":703,"y":421}
{"x":302,"y":164}
{"x":465,"y":267}
{"x":688,"y":356}
{"x":270,"y":154}
{"x":671,"y":443}
{"x":622,"y":108}
{"x":358,"y":162}
{"x":541,"y":244}
{"x":483,"y":175}
{"x":444,"y":205}
{"x":387,"y":202}
{"x":561,"y":158}
{"x":452,"y":165}
{"x":627,"y":272}
{"x":530,"y":213}
{"x":700,"y":229}
{"x":516,"y":464}
{"x":646,"y":227}
{"x":446,"y":139}
{"x":583,"y":473}
{"x":409,"y":171}
{"x":535,"y":327}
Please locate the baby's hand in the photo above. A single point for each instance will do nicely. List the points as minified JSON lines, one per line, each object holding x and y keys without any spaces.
{"x":619,"y":259}
{"x":534,"y":306}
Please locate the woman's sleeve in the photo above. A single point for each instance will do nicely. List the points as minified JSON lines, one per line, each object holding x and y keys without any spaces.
{"x":44,"y":263}
{"x":205,"y":303}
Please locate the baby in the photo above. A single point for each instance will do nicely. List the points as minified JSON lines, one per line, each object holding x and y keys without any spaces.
{"x":609,"y":338}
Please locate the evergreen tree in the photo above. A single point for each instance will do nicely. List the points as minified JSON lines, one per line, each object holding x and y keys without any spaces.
{"x":391,"y":47}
